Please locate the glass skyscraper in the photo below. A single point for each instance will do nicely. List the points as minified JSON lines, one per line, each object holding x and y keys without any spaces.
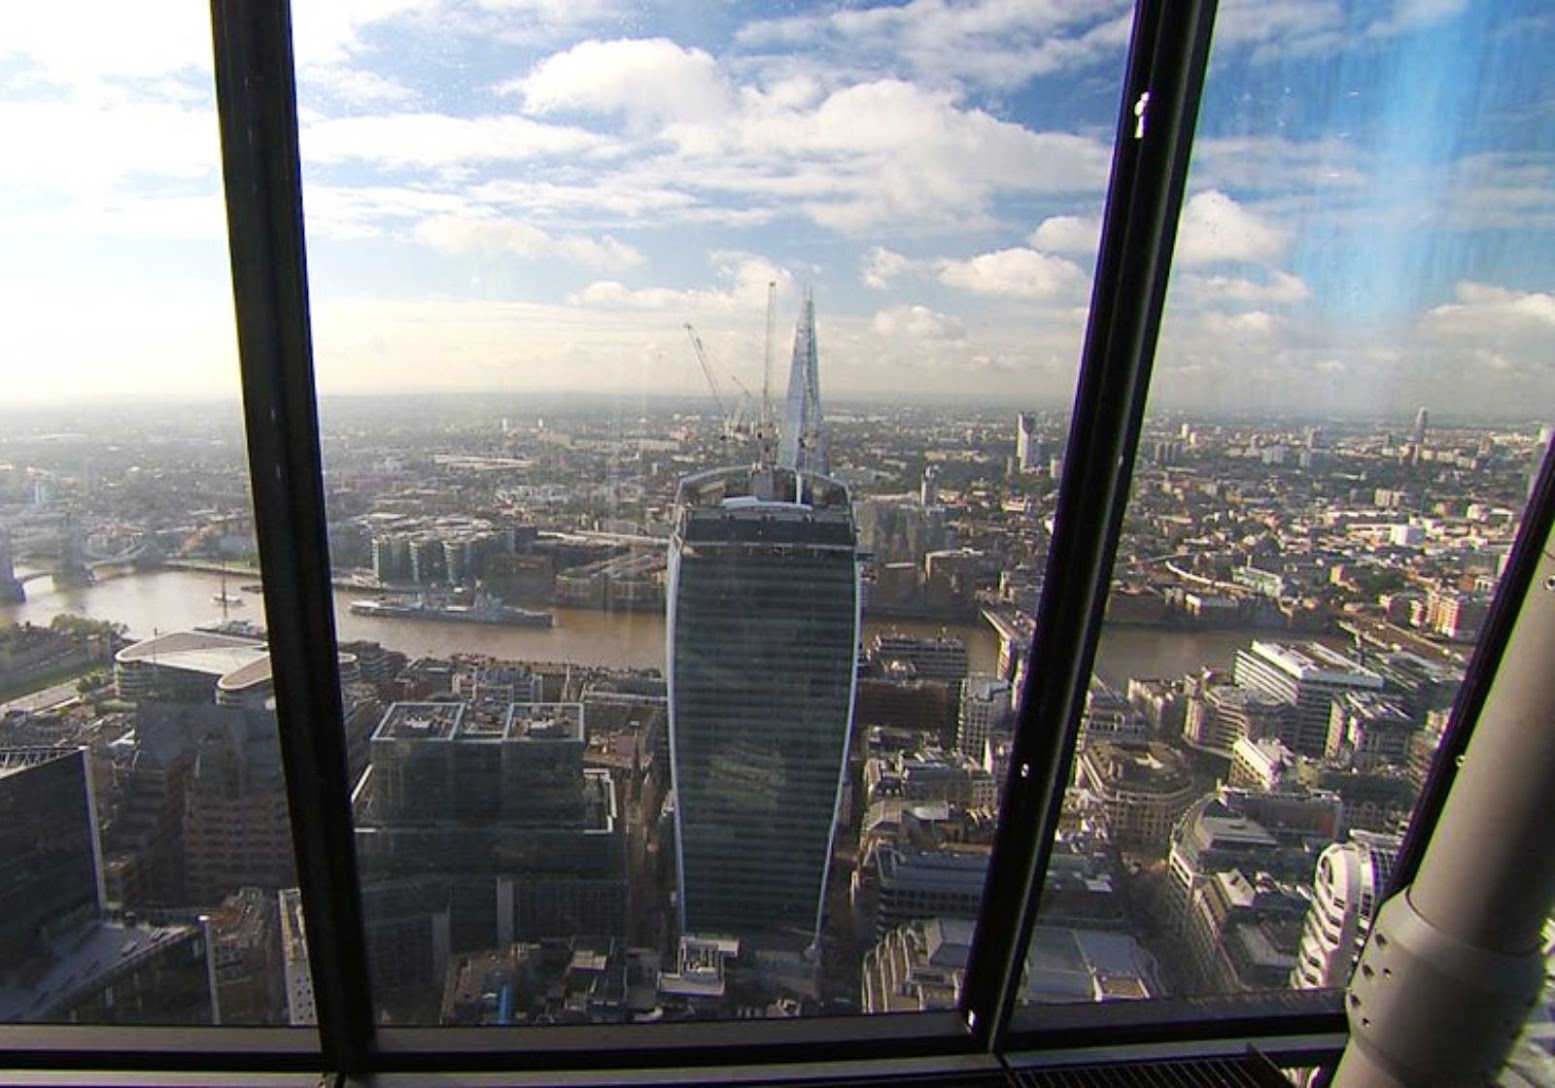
{"x":763,"y":622}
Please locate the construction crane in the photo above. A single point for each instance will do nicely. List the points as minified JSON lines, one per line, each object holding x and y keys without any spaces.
{"x":707,"y":367}
{"x":766,"y":354}
{"x":732,"y":418}
{"x":766,"y":430}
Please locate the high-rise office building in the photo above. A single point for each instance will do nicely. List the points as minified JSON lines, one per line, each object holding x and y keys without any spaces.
{"x":491,"y":818}
{"x":928,"y":491}
{"x":803,"y":444}
{"x":50,"y":876}
{"x":301,"y":1009}
{"x":1028,"y":447}
{"x":62,"y":959}
{"x":985,"y":706}
{"x":1422,"y":425}
{"x":1307,"y":676}
{"x":763,"y":622}
{"x":1350,"y":883}
{"x":763,"y":635}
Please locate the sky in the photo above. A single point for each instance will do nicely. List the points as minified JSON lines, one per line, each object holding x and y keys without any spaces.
{"x":517,"y":195}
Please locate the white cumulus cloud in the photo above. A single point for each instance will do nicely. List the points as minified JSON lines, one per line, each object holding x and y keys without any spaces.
{"x":477,"y":235}
{"x":1278,"y":288}
{"x":1017,"y":273}
{"x":918,"y":322}
{"x":643,"y":79}
{"x":438,"y":140}
{"x":741,"y":286}
{"x":881,"y":266}
{"x":1068,"y":234}
{"x":1215,"y":228}
{"x":1482,"y":304}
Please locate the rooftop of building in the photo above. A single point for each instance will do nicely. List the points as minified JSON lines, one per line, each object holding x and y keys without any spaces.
{"x":540,"y":722}
{"x":1265,"y":751}
{"x":1084,"y":965}
{"x":887,"y":642}
{"x":237,"y":664}
{"x":981,"y":688}
{"x":1413,"y":664}
{"x":1210,"y":824}
{"x":1373,"y":706}
{"x":933,"y":763}
{"x":769,"y":490}
{"x":242,"y":916}
{"x":420,"y":721}
{"x":1315,"y":663}
{"x":937,"y":870}
{"x":948,"y":941}
{"x":453,"y":722}
{"x":1235,"y":696}
{"x":234,"y":663}
{"x":15,"y":760}
{"x":1139,"y":765}
{"x":890,"y":812}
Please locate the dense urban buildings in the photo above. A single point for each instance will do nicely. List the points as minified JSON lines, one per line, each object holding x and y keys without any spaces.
{"x":1307,"y":679}
{"x":1285,"y":641}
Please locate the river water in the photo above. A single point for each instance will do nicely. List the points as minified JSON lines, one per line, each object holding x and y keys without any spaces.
{"x":170,"y":600}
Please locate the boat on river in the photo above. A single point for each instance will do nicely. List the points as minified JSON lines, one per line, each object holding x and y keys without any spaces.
{"x":483,"y":609}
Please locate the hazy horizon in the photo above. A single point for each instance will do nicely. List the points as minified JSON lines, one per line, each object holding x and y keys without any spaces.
{"x":497,"y":402}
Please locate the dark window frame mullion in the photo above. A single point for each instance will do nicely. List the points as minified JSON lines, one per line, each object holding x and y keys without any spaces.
{"x":1168,"y":58}
{"x":1538,"y":517}
{"x":257,"y":107}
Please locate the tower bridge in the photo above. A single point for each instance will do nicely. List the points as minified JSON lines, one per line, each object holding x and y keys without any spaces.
{"x":73,"y":564}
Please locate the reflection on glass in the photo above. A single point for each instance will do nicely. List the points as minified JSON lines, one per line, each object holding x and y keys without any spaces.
{"x":1329,"y":480}
{"x":142,"y":804}
{"x":572,"y":479}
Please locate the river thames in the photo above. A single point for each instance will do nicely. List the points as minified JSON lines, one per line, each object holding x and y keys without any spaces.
{"x":170,"y":600}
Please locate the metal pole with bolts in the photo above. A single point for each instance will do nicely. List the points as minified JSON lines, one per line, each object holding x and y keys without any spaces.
{"x":1454,"y":962}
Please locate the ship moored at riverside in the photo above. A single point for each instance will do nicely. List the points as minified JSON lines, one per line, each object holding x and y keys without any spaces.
{"x":483,"y":609}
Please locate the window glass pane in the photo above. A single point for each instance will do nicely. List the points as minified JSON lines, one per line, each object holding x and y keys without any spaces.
{"x":142,"y":805}
{"x":561,"y":264}
{"x":1349,"y":396}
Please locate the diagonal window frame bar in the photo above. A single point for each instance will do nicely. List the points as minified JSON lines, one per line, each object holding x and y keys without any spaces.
{"x":257,"y":105}
{"x":1523,"y":562}
{"x":1162,"y":89}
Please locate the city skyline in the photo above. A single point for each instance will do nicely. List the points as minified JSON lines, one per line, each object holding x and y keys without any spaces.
{"x":544,"y":198}
{"x":1240,"y":540}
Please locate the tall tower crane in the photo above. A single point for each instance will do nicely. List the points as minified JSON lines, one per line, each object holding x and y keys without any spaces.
{"x":766,"y":428}
{"x":732,"y":417}
{"x":707,"y":367}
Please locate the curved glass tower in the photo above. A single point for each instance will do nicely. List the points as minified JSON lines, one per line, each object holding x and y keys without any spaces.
{"x":763,"y":626}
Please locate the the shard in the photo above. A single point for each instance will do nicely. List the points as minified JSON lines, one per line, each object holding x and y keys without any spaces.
{"x":803,"y":445}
